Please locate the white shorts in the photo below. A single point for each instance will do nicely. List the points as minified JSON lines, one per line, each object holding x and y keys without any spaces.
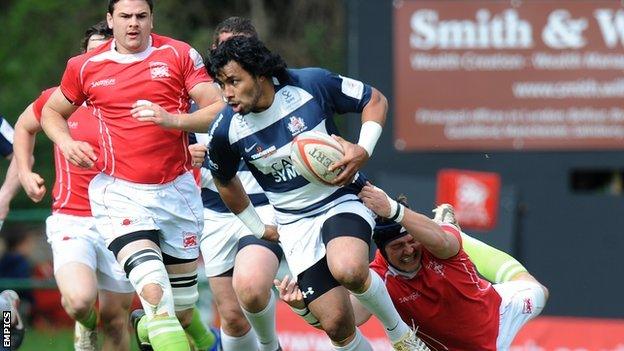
{"x":174,"y":209}
{"x":75,"y":239}
{"x":219,"y":240}
{"x":521,"y":302}
{"x":302,"y":242}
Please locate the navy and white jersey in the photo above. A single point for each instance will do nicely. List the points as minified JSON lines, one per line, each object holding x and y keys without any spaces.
{"x":209,"y":193}
{"x":6,"y":138}
{"x":307,"y":101}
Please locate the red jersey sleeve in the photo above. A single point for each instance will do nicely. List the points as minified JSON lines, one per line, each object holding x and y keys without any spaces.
{"x":451,"y":229}
{"x":193,"y":68}
{"x":379,"y":264}
{"x":71,"y":85}
{"x":41,"y":101}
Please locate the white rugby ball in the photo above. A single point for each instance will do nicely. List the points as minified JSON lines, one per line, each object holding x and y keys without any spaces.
{"x":312,"y":153}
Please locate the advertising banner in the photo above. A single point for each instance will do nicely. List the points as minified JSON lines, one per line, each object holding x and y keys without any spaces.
{"x":541,"y":334}
{"x":508,"y":75}
{"x":474,"y":196}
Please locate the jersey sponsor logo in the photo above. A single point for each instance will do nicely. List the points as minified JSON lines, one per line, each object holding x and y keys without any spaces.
{"x":409,"y":298}
{"x":103,"y":83}
{"x":260,"y":153}
{"x":189,"y":240}
{"x":67,"y":238}
{"x":159,"y":69}
{"x":352,"y":88}
{"x":296,"y":125}
{"x":126,"y":221}
{"x":72,"y":124}
{"x":198,"y":62}
{"x":283,"y":171}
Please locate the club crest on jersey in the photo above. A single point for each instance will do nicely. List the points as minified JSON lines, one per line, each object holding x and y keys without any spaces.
{"x":189,"y":240}
{"x":159,"y":69}
{"x":296,"y":125}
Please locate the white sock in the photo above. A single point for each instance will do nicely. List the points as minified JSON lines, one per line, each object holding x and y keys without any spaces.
{"x":359,"y":343}
{"x":263,"y":323}
{"x":247,"y":342}
{"x":377,"y":300}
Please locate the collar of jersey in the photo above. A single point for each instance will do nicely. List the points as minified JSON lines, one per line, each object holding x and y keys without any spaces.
{"x":407,"y":275}
{"x":126,"y":58}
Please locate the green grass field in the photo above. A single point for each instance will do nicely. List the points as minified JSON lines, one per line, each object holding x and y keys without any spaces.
{"x":53,"y":340}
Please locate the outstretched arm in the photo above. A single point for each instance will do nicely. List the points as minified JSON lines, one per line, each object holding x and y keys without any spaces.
{"x":235,"y":198}
{"x":424,"y":230}
{"x":206,"y":95}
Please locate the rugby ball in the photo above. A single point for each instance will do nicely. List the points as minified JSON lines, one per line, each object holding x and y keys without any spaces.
{"x":312,"y":153}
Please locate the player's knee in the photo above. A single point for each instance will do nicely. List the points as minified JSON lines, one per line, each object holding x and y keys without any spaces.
{"x":233,"y":322}
{"x":350,"y":274}
{"x":338,"y":328}
{"x":148,"y":275}
{"x":114,"y":325}
{"x":77,"y":304}
{"x":250,"y":295}
{"x":152,"y":293}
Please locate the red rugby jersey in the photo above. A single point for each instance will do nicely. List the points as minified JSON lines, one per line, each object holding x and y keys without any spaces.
{"x":112,"y":82}
{"x":453,"y":308}
{"x":71,"y":187}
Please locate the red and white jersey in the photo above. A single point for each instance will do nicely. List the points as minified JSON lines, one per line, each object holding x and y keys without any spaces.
{"x":71,"y":188}
{"x":452,"y":307}
{"x":111,"y":82}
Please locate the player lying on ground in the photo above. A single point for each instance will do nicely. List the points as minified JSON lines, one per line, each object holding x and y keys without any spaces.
{"x":429,"y":270}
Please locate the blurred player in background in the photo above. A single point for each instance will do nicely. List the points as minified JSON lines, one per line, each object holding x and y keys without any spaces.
{"x":84,"y":269}
{"x":232,"y":255}
{"x":11,"y":183}
{"x":145,"y":200}
{"x":429,"y":269}
{"x":268,"y":106}
{"x":9,"y":302}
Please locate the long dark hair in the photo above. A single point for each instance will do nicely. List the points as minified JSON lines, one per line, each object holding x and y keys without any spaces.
{"x":251,"y":54}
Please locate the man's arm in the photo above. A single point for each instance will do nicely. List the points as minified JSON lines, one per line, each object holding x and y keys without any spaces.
{"x":424,"y":230}
{"x":9,"y":189}
{"x":356,"y":155}
{"x":206,"y":95}
{"x":26,"y":130}
{"x":235,"y":198}
{"x":54,"y":124}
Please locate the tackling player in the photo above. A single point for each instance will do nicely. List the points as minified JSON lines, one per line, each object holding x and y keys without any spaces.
{"x":84,"y":269}
{"x":268,"y":106}
{"x":429,"y":269}
{"x":145,"y":200}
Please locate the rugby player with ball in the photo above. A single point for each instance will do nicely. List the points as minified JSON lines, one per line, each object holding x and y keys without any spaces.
{"x":320,"y":222}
